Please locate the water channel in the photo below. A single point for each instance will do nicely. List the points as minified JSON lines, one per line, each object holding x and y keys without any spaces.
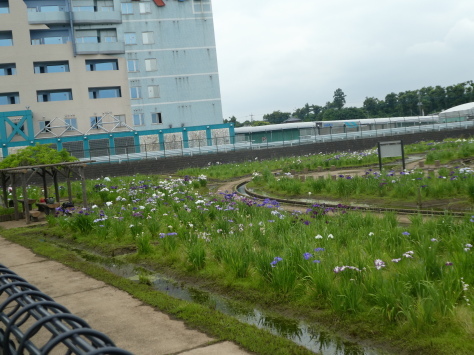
{"x":311,"y":336}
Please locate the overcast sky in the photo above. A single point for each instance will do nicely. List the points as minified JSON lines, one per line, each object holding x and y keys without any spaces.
{"x":281,"y":54}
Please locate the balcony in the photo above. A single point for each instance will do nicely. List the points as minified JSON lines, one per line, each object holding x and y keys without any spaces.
{"x":47,"y":15}
{"x":80,"y":17}
{"x":100,"y":48}
{"x":105,"y":17}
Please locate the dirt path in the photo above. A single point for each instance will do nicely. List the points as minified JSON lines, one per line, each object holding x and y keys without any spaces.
{"x":416,"y":162}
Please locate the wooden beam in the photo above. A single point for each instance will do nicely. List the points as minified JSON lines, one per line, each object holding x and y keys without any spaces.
{"x":26,"y":200}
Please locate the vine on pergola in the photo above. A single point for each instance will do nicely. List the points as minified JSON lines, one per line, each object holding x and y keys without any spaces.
{"x":38,"y":154}
{"x":17,"y":170}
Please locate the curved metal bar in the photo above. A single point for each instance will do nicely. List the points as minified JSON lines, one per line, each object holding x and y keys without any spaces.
{"x":6,"y":270}
{"x":109,"y":351}
{"x":24,"y":302}
{"x":11,"y":277}
{"x":17,"y":284}
{"x":22,"y":294}
{"x":11,"y":346}
{"x":12,"y":324}
{"x":74,"y":333}
{"x":37,"y":326}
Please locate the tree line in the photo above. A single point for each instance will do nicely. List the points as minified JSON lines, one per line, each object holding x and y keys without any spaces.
{"x":425,"y":101}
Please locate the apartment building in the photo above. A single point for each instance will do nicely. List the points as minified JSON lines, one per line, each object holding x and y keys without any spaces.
{"x":115,"y":71}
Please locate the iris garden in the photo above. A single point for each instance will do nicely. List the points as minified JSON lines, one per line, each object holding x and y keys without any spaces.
{"x":413,"y":279}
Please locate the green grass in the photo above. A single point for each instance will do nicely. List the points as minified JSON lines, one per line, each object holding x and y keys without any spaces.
{"x":199,"y":317}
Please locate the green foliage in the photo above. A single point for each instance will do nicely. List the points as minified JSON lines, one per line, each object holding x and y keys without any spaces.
{"x":339,"y":99}
{"x":405,"y":103}
{"x":276,"y":117}
{"x":6,"y":211}
{"x":36,"y":155}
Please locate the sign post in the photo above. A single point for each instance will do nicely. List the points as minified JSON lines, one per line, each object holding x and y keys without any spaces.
{"x":391,"y":149}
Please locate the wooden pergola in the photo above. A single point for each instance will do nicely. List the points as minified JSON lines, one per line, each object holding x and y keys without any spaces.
{"x":20,"y":176}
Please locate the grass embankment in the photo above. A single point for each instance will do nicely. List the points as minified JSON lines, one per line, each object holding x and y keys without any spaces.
{"x":194,"y":315}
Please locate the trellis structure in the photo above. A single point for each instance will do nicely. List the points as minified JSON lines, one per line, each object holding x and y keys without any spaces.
{"x":20,"y":176}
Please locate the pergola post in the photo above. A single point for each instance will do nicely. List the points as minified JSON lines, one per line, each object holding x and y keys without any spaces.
{"x":69,"y":187}
{"x":14,"y":197}
{"x":45,"y":185}
{"x":55,"y":182}
{"x":26,"y":204}
{"x":83,"y":184}
{"x":5,"y":190}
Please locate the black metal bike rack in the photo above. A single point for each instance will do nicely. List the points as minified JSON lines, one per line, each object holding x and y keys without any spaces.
{"x":31,"y":322}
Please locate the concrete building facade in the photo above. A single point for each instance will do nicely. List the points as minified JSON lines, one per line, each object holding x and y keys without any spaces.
{"x":123,"y":71}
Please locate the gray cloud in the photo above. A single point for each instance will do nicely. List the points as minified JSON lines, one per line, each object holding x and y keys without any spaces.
{"x":282,"y":54}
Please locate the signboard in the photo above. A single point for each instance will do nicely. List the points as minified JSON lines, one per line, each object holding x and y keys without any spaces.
{"x":391,"y":149}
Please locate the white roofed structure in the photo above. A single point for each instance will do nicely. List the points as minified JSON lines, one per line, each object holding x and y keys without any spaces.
{"x":464,"y":110}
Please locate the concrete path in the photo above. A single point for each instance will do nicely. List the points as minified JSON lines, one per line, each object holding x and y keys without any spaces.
{"x":131,"y":325}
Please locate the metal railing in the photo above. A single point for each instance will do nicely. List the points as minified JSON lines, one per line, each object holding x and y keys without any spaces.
{"x":233,"y":144}
{"x":29,"y":318}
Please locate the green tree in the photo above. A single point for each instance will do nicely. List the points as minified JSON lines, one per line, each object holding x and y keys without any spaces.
{"x":234,"y":121}
{"x":38,"y":154}
{"x":339,"y":99}
{"x":276,"y":117}
{"x":373,"y":106}
{"x":391,"y":104}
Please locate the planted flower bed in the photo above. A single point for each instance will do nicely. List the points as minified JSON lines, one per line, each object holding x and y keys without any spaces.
{"x":414,"y":278}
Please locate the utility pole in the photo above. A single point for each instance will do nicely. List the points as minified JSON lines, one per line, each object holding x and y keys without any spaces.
{"x":251,"y":117}
{"x":420,"y":105}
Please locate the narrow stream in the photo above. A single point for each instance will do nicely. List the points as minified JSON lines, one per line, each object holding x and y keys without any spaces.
{"x":312,"y":337}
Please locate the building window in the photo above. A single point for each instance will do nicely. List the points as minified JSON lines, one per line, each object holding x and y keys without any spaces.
{"x":135,"y":92}
{"x":138,"y":119}
{"x":153,"y":91}
{"x":96,"y":36}
{"x":46,"y":8}
{"x":145,"y":8}
{"x":107,"y":36}
{"x":55,"y":36}
{"x":71,"y":123}
{"x":147,"y":38}
{"x":121,"y":119}
{"x":7,"y":69}
{"x":101,"y":64}
{"x":54,"y":95}
{"x":6,"y":38}
{"x":151,"y":64}
{"x":83,"y":9}
{"x":96,"y":122}
{"x":4,"y":9}
{"x":132,"y":65}
{"x":44,"y":126}
{"x":104,"y":93}
{"x":106,"y":8}
{"x":9,"y":98}
{"x":81,"y":38}
{"x":202,"y":6}
{"x":51,"y":67}
{"x":130,"y":38}
{"x":156,"y":118}
{"x":127,"y":8}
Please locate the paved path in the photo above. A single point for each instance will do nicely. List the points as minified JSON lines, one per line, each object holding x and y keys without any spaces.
{"x":130,"y":324}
